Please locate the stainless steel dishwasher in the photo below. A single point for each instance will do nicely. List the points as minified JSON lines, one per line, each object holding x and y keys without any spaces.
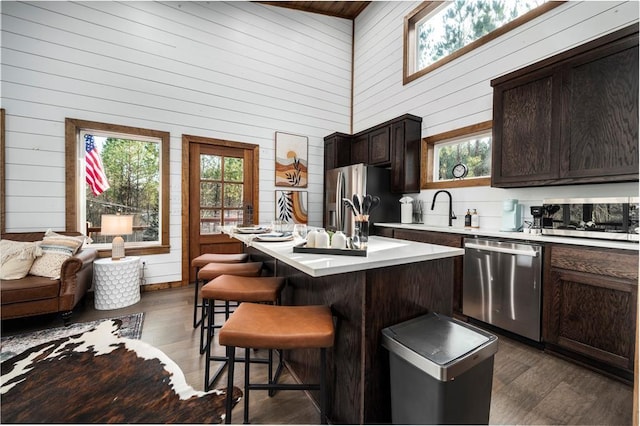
{"x":502,"y":284}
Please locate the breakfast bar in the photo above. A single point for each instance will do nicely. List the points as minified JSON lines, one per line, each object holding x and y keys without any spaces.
{"x":396,"y":281}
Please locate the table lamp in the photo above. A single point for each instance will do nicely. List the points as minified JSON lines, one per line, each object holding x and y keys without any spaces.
{"x":118,"y":225}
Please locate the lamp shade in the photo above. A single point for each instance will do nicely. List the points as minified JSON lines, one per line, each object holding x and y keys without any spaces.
{"x":115,"y":224}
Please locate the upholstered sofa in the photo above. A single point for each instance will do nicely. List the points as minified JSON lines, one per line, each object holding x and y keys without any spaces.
{"x":35,"y":295}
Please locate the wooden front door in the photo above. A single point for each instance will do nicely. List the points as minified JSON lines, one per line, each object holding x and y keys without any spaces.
{"x":222,"y":191}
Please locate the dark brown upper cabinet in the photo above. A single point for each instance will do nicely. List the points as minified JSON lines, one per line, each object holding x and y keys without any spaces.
{"x":394,"y":144}
{"x":360,"y":149}
{"x":524,"y":130}
{"x":572,"y":118}
{"x":379,"y":149}
{"x":337,"y":150}
{"x":405,"y":157}
{"x":372,"y":146}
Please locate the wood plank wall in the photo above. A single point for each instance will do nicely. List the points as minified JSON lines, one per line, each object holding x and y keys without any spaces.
{"x":241,"y":71}
{"x":238,"y":71}
{"x":459,"y":94}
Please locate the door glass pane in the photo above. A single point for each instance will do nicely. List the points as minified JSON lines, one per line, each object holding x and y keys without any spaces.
{"x":233,"y":195}
{"x":210,"y":167}
{"x":233,"y":217}
{"x":233,"y":169}
{"x":209,"y":221}
{"x":210,"y":194}
{"x":221,"y":192}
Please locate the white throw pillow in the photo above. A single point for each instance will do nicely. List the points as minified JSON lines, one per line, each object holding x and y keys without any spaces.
{"x":16,"y":258}
{"x":56,"y":249}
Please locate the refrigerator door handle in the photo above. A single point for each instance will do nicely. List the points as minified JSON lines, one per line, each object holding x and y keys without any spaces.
{"x":339,"y":203}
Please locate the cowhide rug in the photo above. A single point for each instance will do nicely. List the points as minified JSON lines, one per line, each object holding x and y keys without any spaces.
{"x":98,"y":377}
{"x":129,"y":326}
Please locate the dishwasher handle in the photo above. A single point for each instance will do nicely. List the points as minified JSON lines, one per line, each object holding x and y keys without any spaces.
{"x":531,"y":253}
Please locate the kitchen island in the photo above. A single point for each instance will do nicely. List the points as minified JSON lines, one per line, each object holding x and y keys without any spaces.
{"x":396,"y":281}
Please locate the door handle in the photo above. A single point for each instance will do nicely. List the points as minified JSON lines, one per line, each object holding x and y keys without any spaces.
{"x":530,"y":253}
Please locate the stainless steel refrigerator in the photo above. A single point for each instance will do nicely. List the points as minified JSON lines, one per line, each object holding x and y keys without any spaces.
{"x":343,"y":182}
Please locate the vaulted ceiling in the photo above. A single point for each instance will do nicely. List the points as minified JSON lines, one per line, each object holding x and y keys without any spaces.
{"x":340,"y":9}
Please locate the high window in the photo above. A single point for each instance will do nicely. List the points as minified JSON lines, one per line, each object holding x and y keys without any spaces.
{"x":458,"y":158}
{"x":439,"y":31}
{"x":116,"y":169}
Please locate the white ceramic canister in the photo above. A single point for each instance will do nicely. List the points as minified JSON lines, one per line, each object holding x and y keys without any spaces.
{"x":322,"y":239}
{"x":311,"y":238}
{"x":339,"y":240}
{"x":406,"y":213}
{"x":406,"y":210}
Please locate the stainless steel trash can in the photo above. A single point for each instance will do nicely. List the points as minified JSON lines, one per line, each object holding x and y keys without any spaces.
{"x":441,"y":371}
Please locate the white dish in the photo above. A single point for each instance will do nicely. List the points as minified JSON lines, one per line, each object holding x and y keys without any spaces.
{"x":274,"y":238}
{"x":252,"y":230}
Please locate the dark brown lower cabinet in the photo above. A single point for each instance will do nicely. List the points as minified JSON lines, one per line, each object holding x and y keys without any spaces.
{"x":442,"y":239}
{"x":590,"y":299}
{"x":382,"y":231}
{"x":590,"y":302}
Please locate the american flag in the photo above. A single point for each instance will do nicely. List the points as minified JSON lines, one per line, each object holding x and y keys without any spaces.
{"x":96,"y":178}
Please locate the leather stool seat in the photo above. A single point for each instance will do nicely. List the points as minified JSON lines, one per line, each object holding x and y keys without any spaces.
{"x":270,"y":327}
{"x":243,"y":289}
{"x":214,"y":270}
{"x":211,"y":271}
{"x":278,"y":327}
{"x":202,"y":260}
{"x":235,"y":288}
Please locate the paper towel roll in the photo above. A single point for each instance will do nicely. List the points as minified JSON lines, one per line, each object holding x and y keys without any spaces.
{"x":406,"y":213}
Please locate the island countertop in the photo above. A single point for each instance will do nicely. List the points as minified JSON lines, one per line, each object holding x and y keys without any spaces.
{"x":396,"y":281}
{"x":382,"y":252}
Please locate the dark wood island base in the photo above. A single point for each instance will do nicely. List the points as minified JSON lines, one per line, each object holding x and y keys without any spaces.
{"x":363,"y":303}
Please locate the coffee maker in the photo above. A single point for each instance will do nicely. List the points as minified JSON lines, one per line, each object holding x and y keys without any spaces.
{"x":537,"y":212}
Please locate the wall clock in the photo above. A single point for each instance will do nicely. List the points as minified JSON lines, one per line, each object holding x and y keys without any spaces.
{"x":459,"y":171}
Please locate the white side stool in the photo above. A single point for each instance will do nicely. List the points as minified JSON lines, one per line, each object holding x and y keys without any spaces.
{"x":116,"y":282}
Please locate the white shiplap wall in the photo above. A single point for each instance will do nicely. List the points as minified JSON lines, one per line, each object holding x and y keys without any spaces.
{"x":459,"y":94}
{"x":230,"y":70}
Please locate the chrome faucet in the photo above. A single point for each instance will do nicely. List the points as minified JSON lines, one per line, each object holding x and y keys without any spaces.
{"x":451,"y":213}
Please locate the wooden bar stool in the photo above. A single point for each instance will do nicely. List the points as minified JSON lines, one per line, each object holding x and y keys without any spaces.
{"x":205,"y":259}
{"x":238,"y":289}
{"x":211,"y":271}
{"x":259,"y":326}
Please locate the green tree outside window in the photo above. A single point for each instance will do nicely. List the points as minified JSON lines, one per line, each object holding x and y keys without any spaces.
{"x":132,"y":168}
{"x":461,"y":22}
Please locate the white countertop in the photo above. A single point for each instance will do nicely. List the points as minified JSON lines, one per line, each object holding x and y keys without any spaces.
{"x":381,"y":252}
{"x":481,"y":232}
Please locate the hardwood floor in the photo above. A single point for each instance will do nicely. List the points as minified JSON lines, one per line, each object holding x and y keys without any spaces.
{"x":529,"y":386}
